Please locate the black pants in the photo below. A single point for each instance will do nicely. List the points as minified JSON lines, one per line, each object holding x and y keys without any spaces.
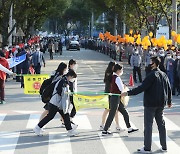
{"x":37,"y":69}
{"x":120,"y":56}
{"x":51,"y":54}
{"x":114,"y":105}
{"x":138,"y":70}
{"x":73,"y":111}
{"x":52,"y":112}
{"x":149,"y":114}
{"x":129,"y":59}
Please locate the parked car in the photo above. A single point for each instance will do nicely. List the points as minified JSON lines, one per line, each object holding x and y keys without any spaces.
{"x":73,"y":45}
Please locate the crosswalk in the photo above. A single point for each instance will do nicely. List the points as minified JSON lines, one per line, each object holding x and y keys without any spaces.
{"x":56,"y":140}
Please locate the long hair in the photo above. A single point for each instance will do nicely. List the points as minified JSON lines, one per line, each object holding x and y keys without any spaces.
{"x":61,"y":68}
{"x":109,"y":70}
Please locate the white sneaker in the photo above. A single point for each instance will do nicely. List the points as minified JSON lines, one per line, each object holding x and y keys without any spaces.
{"x":62,"y":125}
{"x":74,"y":126}
{"x":72,"y":132}
{"x":143,"y":151}
{"x":38,"y":131}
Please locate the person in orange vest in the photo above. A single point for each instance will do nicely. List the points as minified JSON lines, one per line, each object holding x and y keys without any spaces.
{"x":4,"y":63}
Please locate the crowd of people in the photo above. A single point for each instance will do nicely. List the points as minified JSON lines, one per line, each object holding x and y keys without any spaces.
{"x":139,"y":58}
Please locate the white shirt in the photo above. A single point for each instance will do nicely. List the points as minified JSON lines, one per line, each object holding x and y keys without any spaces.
{"x":119,"y":82}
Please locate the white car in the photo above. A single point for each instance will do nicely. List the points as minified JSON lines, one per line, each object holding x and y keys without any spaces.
{"x":73,"y":45}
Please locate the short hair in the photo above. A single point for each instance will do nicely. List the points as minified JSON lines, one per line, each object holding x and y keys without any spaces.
{"x":117,"y":67}
{"x":72,"y":73}
{"x":156,"y":60}
{"x":71,"y":62}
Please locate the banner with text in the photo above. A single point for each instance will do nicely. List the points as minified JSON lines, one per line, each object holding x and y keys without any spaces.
{"x":16,"y":60}
{"x":82,"y":101}
{"x":32,"y":83}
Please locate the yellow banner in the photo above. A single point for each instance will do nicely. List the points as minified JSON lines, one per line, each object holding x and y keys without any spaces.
{"x":81,"y":101}
{"x":32,"y":83}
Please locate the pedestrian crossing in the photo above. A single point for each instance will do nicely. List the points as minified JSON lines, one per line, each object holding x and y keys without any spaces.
{"x":57,"y":141}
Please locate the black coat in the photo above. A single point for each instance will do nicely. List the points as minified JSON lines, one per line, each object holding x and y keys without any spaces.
{"x":157,"y":89}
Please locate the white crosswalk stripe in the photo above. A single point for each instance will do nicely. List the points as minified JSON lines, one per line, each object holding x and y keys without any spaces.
{"x":82,"y":121}
{"x":114,"y":143}
{"x":2,"y":116}
{"x":172,"y":147}
{"x":59,"y":143}
{"x":170,"y":125}
{"x":33,"y":120}
{"x":8,"y":142}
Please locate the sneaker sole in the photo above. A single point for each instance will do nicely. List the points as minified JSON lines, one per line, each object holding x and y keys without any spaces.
{"x":133,"y":132}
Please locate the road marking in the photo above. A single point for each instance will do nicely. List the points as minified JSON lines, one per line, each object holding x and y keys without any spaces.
{"x":8,"y":142}
{"x":26,"y":112}
{"x":172,"y":147}
{"x":114,"y":143}
{"x":33,"y":120}
{"x":59,"y":143}
{"x":170,"y":125}
{"x":82,"y":121}
{"x":2,"y":116}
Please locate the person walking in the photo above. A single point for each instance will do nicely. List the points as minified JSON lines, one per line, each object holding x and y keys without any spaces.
{"x":107,"y":81}
{"x":157,"y":86}
{"x":72,"y":86}
{"x":117,"y":87}
{"x":55,"y":106}
{"x":38,"y":60}
{"x":136,"y":62}
{"x":60,"y":71}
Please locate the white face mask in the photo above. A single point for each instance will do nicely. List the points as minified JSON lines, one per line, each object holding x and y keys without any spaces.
{"x":75,"y":67}
{"x":121,"y":73}
{"x":38,"y":49}
{"x":178,"y":57}
{"x":66,"y":71}
{"x":168,"y":57}
{"x":72,"y":80}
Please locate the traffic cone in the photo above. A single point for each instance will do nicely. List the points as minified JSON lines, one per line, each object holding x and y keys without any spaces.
{"x":131,"y":81}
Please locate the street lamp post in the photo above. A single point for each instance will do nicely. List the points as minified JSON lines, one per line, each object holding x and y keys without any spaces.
{"x":174,"y":15}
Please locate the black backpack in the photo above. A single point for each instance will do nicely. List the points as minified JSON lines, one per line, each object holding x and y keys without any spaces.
{"x":46,"y":90}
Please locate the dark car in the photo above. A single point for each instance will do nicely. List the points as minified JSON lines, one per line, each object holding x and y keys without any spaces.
{"x":73,"y":45}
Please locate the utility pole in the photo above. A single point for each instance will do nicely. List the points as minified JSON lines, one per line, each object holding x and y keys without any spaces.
{"x":115,"y":25}
{"x":103,"y":19}
{"x":10,"y":25}
{"x":92,"y":24}
{"x":174,"y":15}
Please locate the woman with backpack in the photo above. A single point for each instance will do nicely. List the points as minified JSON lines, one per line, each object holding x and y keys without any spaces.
{"x":60,"y":71}
{"x":58,"y":103}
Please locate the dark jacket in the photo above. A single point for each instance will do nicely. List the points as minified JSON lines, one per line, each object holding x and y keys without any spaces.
{"x":157,"y":89}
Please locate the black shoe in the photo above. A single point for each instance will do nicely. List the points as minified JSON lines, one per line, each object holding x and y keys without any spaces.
{"x":132,"y":131}
{"x":106,"y":133}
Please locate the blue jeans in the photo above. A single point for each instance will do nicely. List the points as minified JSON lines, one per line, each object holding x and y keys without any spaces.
{"x":171,"y":78}
{"x":149,"y":114}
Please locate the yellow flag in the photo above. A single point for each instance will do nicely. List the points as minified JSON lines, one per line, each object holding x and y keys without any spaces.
{"x":81,"y":101}
{"x":32,"y":83}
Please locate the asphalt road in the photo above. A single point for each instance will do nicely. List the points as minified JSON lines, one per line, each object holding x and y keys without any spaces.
{"x":21,"y":113}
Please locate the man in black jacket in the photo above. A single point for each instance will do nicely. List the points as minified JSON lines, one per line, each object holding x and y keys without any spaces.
{"x":157,"y":94}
